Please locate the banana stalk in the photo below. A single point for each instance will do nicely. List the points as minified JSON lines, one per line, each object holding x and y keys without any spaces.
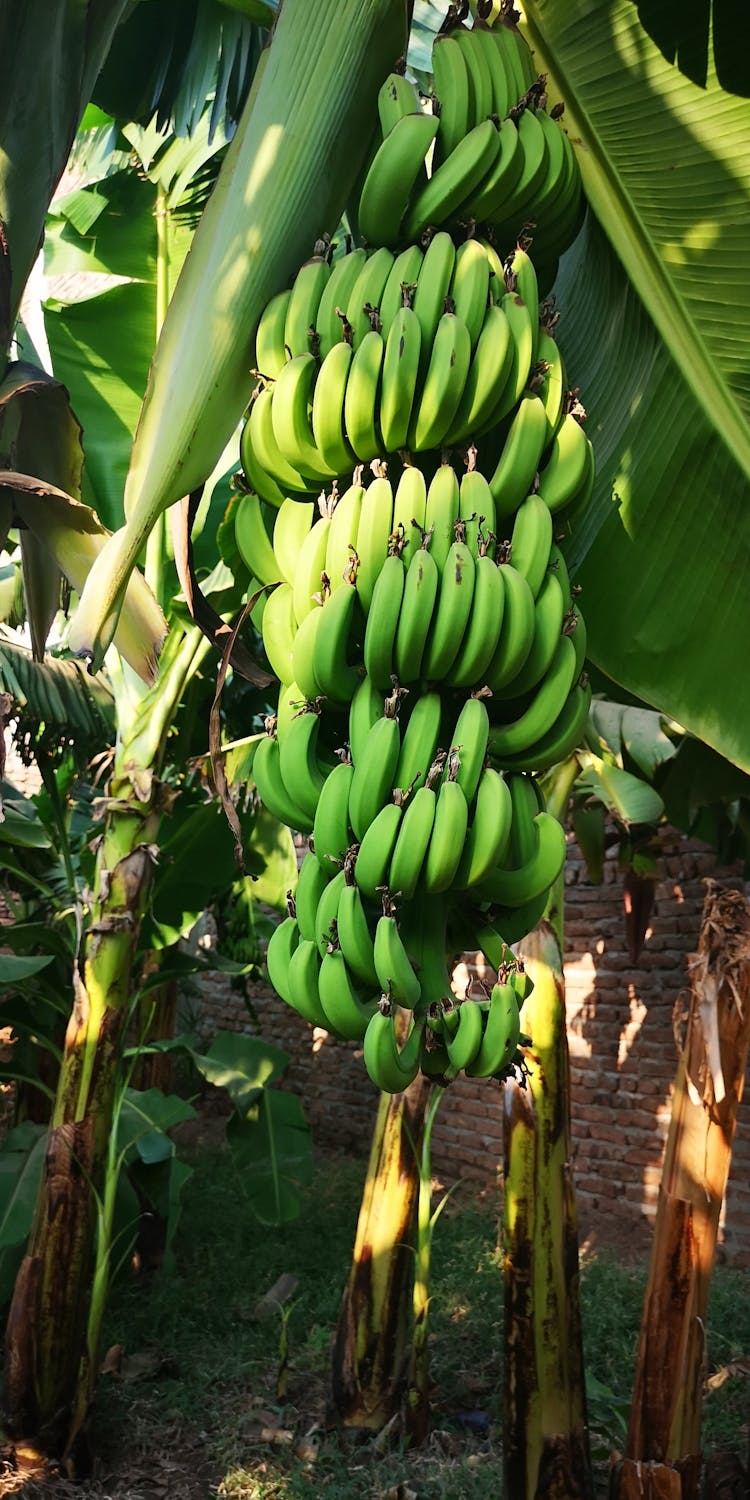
{"x":370,"y":1354}
{"x":285,"y":182}
{"x":52,"y":1356}
{"x":545,"y":1441}
{"x":662,"y":1452}
{"x":417,"y":1411}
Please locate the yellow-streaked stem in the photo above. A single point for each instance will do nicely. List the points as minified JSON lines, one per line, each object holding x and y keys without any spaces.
{"x":545,"y":1442}
{"x":370,"y":1356}
{"x":417,"y":1412}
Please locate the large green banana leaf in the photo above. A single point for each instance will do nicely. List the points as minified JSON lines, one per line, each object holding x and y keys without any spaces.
{"x":655,"y":324}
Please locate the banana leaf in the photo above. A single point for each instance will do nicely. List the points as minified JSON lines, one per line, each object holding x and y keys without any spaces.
{"x":655,"y":319}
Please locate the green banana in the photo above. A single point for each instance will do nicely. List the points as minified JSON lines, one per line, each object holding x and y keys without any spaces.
{"x":447,"y":838}
{"x":521,"y":456}
{"x":310,"y":567}
{"x":548,"y":701}
{"x":488,"y":199}
{"x":396,"y":98}
{"x":260,"y":438}
{"x":523,"y":333}
{"x":401,"y":285}
{"x":452,"y":613}
{"x":450,"y":77}
{"x":412,"y":843}
{"x":366,"y":293}
{"x":464,"y":1044}
{"x":520,"y":277}
{"x":393,"y":172}
{"x":342,"y":536}
{"x":331,"y":830}
{"x":553,"y":387}
{"x":366,"y":706}
{"x":325,"y":916}
{"x":400,"y":378}
{"x":272,"y":789}
{"x":292,"y":397}
{"x":474,"y":52}
{"x":253,"y":542}
{"x":489,"y":832}
{"x":565,"y":735}
{"x":415,"y":615}
{"x":482,"y":632}
{"x":354,"y":933}
{"x":393,"y":965}
{"x":294,"y":519}
{"x":383,"y":620}
{"x":335,"y":298}
{"x":347,"y":1013}
{"x":304,"y":654}
{"x":531,"y":540}
{"x":503,"y":84}
{"x":489,"y":374}
{"x":436,"y":404}
{"x":565,"y":467}
{"x":258,"y":479}
{"x":558,"y":564}
{"x":281,"y":946}
{"x":419,"y":741}
{"x":304,"y":300}
{"x":516,"y":632}
{"x":469,"y":747}
{"x":441,"y":513}
{"x":304,"y":968}
{"x":517,"y":887}
{"x":409,"y":506}
{"x":509,"y":219}
{"x":373,"y":773}
{"x":371,"y":870}
{"x":362,"y":397}
{"x":278,"y":630}
{"x":328,"y":401}
{"x":311,"y":883}
{"x":375,"y":527}
{"x":469,"y":291}
{"x":502,"y":1032}
{"x":298,"y":759}
{"x":549,"y":612}
{"x":271,"y":353}
{"x":516,"y":922}
{"x":391,"y":1068}
{"x":433,"y":286}
{"x":453,"y":181}
{"x":476,"y":509}
{"x":337,"y":679}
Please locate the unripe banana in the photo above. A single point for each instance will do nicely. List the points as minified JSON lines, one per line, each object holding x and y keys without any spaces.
{"x":447,"y":838}
{"x":259,"y":436}
{"x":441,"y":513}
{"x":373,"y":774}
{"x":290,"y":416}
{"x":371,"y":870}
{"x":331,"y":830}
{"x":549,"y":612}
{"x":470,"y":287}
{"x":347,"y":1011}
{"x":477,"y":511}
{"x":517,"y":887}
{"x":298,"y":759}
{"x":311,"y":563}
{"x":553,"y":386}
{"x":450,"y":77}
{"x":304,"y":654}
{"x":367,"y":292}
{"x":489,"y":834}
{"x":531,"y":540}
{"x":304,"y":969}
{"x":311,"y":883}
{"x":502,"y":1031}
{"x":391,"y":1068}
{"x":435,"y":406}
{"x":516,"y":632}
{"x":464,"y":1044}
{"x":400,"y":377}
{"x":354,"y":935}
{"x":337,"y":291}
{"x":394,"y":969}
{"x":294,"y":519}
{"x":375,"y":527}
{"x":328,"y":407}
{"x":366,"y":707}
{"x":342,"y":536}
{"x":397,"y":97}
{"x":401,"y":285}
{"x":394,"y":170}
{"x":489,"y":375}
{"x":325,"y":916}
{"x":548,"y":701}
{"x":412,"y":843}
{"x":281,"y":946}
{"x":409,"y":506}
{"x":469,"y":747}
{"x":419,"y":741}
{"x":521,"y":456}
{"x":271,"y":353}
{"x":304,"y":300}
{"x":253,"y":542}
{"x":433,"y":286}
{"x":362,"y":397}
{"x":451,"y":616}
{"x":564,"y":470}
{"x":383,"y":621}
{"x":337,"y":678}
{"x":271,"y":787}
{"x":482,"y":632}
{"x":415,"y":616}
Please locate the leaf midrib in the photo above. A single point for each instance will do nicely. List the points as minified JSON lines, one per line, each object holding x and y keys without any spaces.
{"x":637,"y":252}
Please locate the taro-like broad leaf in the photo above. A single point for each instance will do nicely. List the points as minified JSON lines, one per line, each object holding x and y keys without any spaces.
{"x":243,"y":1065}
{"x":273,"y":1153}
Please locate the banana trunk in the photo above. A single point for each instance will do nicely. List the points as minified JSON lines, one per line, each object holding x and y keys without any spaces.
{"x":371,"y":1347}
{"x":662,"y":1453}
{"x":285,"y":182}
{"x":46,"y":1332}
{"x":545,"y":1440}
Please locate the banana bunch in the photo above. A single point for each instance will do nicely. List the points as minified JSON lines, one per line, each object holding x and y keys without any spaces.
{"x":413,"y":456}
{"x":488,"y":154}
{"x":379,"y":354}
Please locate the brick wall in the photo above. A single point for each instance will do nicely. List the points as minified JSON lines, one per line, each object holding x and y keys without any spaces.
{"x":622,"y":1047}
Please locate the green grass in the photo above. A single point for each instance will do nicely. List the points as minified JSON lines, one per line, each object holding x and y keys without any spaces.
{"x":216,"y":1389}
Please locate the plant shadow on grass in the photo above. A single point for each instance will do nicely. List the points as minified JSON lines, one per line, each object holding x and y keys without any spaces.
{"x":193,"y":1411}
